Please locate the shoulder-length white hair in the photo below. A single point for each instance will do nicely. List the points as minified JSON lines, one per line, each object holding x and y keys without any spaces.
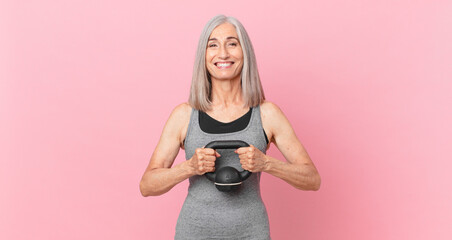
{"x":201,"y":85}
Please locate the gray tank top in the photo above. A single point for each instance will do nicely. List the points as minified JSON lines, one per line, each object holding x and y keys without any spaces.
{"x":210,"y":214}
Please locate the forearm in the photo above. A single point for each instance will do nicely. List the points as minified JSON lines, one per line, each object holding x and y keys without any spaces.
{"x":161,"y":180}
{"x":301,"y":176}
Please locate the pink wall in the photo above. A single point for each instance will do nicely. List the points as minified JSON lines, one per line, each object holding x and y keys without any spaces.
{"x":86,"y":87}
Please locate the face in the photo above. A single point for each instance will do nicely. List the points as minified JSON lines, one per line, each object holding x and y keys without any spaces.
{"x":224,"y":55}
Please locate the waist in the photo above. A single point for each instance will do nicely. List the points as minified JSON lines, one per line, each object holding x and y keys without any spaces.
{"x":225,"y":218}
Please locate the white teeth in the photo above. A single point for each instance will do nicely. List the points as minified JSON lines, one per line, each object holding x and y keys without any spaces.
{"x":223,"y":64}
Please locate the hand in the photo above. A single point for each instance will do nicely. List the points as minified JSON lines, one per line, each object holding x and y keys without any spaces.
{"x":204,"y":160}
{"x":252,"y":159}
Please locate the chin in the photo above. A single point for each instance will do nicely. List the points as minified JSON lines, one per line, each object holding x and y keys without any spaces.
{"x":225,"y":77}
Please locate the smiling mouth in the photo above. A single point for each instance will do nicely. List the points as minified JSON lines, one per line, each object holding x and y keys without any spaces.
{"x":223,"y":65}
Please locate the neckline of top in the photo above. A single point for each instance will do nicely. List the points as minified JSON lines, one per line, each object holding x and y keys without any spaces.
{"x":241,"y":117}
{"x":231,"y":133}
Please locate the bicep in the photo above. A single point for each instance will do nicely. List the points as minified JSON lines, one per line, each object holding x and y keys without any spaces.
{"x":165,"y":152}
{"x":286,"y":141}
{"x":169,"y":143}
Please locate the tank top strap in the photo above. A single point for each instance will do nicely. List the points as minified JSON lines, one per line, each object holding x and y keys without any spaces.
{"x":256,"y":121}
{"x":194,"y":122}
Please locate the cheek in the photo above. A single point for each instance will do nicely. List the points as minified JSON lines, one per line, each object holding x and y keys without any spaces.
{"x":209,"y":55}
{"x":239,"y":54}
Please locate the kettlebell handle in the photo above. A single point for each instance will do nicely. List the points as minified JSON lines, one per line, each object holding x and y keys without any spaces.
{"x":227,"y":144}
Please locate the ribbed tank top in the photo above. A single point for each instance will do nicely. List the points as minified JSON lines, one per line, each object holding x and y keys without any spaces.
{"x":210,"y":214}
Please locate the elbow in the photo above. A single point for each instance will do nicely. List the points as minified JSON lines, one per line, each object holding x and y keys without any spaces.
{"x":316,"y":187}
{"x":313,"y":185}
{"x":146,"y":190}
{"x":149,"y":187}
{"x":143,"y":190}
{"x":317,"y":183}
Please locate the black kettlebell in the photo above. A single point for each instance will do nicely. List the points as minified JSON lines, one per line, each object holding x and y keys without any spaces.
{"x":227,"y":178}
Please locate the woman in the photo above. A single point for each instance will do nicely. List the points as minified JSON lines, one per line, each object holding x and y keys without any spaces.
{"x":226,"y":103}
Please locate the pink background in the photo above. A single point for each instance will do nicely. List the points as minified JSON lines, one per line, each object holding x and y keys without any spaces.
{"x":86,"y":87}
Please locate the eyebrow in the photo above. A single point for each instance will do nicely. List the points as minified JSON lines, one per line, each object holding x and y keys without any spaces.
{"x":213,"y":39}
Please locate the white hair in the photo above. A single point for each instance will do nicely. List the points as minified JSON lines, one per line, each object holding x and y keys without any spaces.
{"x":201,"y":85}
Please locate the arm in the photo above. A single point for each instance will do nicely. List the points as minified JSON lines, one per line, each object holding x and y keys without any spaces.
{"x":299,"y":171}
{"x":159,"y":176}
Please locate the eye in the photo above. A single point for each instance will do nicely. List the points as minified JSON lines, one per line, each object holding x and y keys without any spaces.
{"x":233,"y":44}
{"x":212,"y":45}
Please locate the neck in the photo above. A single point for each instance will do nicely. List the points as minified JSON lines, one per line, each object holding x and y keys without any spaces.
{"x":227,"y":92}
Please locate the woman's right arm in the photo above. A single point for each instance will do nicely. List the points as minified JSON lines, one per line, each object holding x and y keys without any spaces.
{"x":159,"y":176}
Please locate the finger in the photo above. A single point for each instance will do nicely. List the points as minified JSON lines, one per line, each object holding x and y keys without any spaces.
{"x":251,"y":148}
{"x":217,"y":154}
{"x":209,"y":158}
{"x":209,"y":164}
{"x":209,"y":151}
{"x":243,"y":156}
{"x":200,"y":164}
{"x":249,"y":167}
{"x":241,"y":150}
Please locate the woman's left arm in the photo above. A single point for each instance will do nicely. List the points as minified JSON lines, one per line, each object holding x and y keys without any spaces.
{"x":299,"y":171}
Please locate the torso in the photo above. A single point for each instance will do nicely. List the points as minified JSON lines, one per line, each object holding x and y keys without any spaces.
{"x":206,"y":210}
{"x":228,"y":115}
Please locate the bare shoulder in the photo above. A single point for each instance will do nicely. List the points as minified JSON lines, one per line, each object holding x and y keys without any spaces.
{"x":182,"y":110}
{"x":177,"y":122}
{"x":271,"y":116}
{"x":180,"y":117}
{"x":270,"y":108}
{"x":271,"y":113}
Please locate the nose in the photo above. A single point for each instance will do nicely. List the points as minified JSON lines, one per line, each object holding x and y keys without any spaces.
{"x":223,"y":54}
